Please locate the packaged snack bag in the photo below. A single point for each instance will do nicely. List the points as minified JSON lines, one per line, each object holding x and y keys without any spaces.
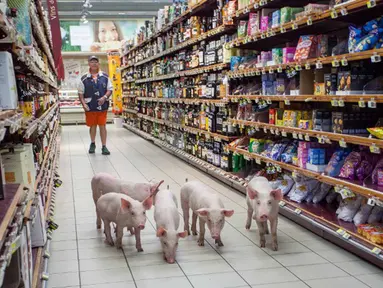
{"x":242,"y":28}
{"x":354,"y":37}
{"x":253,"y":24}
{"x":306,"y":48}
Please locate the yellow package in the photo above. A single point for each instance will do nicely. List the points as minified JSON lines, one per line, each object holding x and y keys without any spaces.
{"x":376,"y":131}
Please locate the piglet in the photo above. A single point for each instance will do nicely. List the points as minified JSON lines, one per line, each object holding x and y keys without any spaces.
{"x":208,"y":206}
{"x":125,"y":212}
{"x":103,"y":183}
{"x":167,"y":221}
{"x":262,"y":205}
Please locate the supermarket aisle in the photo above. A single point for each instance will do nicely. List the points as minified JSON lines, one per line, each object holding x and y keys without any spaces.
{"x":79,"y":257}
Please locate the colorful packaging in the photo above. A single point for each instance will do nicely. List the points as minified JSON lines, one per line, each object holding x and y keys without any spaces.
{"x":276,"y":19}
{"x":253,"y":24}
{"x":242,"y":28}
{"x":288,"y":54}
{"x":355,"y":35}
{"x":367,"y":42}
{"x":306,"y":48}
{"x":277,"y":55}
{"x":376,"y":131}
{"x":319,"y":89}
{"x":272,"y":113}
{"x":323,"y":48}
{"x":285,"y":15}
{"x":264,"y":23}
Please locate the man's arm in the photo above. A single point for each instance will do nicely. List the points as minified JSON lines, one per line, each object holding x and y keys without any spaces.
{"x":109,"y":88}
{"x":80,"y":89}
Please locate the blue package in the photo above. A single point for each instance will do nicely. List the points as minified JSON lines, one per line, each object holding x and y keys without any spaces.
{"x":354,"y":37}
{"x":370,"y":25}
{"x":368,"y":42}
{"x":379,"y":44}
{"x":276,"y":19}
{"x":234,"y":62}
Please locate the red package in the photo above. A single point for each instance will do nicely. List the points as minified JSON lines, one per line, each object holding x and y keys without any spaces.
{"x":306,"y":48}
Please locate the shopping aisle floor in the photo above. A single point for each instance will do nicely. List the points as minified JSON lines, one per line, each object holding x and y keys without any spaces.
{"x":79,"y":257}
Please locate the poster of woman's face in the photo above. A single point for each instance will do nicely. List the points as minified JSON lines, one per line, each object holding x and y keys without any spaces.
{"x":97,"y":36}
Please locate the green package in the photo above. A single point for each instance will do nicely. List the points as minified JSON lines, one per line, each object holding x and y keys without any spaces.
{"x":256,"y":145}
{"x":285,"y":15}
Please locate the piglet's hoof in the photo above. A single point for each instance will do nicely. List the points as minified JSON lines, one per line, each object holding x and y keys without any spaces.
{"x":98,"y":226}
{"x":118,"y":246}
{"x":139,"y":249}
{"x":274,"y":246}
{"x":201,"y":242}
{"x":262,"y":244}
{"x":194,"y":233}
{"x":131,"y":231}
{"x":247,"y":226}
{"x":219,"y":242}
{"x":109,"y":242}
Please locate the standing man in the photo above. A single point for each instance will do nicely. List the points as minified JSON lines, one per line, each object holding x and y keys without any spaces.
{"x":94,"y":91}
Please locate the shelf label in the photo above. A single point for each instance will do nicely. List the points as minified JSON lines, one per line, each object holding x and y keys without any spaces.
{"x":262,"y":2}
{"x":362,"y":104}
{"x":283,"y":29}
{"x":374,"y":149}
{"x":335,"y":63}
{"x":319,"y":65}
{"x":371,"y":201}
{"x":294,"y":26}
{"x":343,"y":11}
{"x":277,"y":132}
{"x":309,"y":21}
{"x":307,"y":66}
{"x":300,"y":136}
{"x":334,"y":103}
{"x":346,"y":236}
{"x":371,"y":104}
{"x":287,"y":102}
{"x":256,"y":5}
{"x":295,"y":135}
{"x":272,"y":131}
{"x":376,"y":250}
{"x":340,"y":231}
{"x":279,"y":69}
{"x":263,"y":36}
{"x":258,"y":72}
{"x":307,"y":137}
{"x":271,"y":71}
{"x":298,"y":67}
{"x":321,"y":140}
{"x":258,"y":161}
{"x":344,"y":62}
{"x":263,"y":71}
{"x":376,"y":58}
{"x":334,"y":14}
{"x":298,"y":211}
{"x":341,"y":103}
{"x":265,"y":129}
{"x":284,"y":134}
{"x":371,"y":3}
{"x":282,"y":203}
{"x":342,"y":143}
{"x":247,"y":158}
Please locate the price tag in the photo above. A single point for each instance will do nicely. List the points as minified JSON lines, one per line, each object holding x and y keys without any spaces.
{"x":258,"y":72}
{"x":268,"y":101}
{"x":342,"y":143}
{"x":282,"y":203}
{"x":295,"y":135}
{"x":295,"y":174}
{"x":376,"y":250}
{"x":255,"y":38}
{"x":307,"y":66}
{"x":272,"y":131}
{"x":374,"y":149}
{"x":371,"y":3}
{"x":263,"y":71}
{"x":371,"y":201}
{"x":258,"y":161}
{"x":279,"y":69}
{"x":284,"y":134}
{"x":309,"y":21}
{"x":300,"y":136}
{"x":376,"y":58}
{"x":279,"y":169}
{"x":246,"y":10}
{"x":283,"y":29}
{"x":344,"y":62}
{"x":265,"y":129}
{"x":298,"y":67}
{"x":256,"y":5}
{"x":294,"y":26}
{"x":298,"y":211}
{"x":237,"y":14}
{"x":263,"y":36}
{"x":287,"y":102}
{"x":371,"y":103}
{"x":262,"y":2}
{"x":247,"y":158}
{"x":346,"y":236}
{"x":321,"y":140}
{"x":334,"y":14}
{"x":335,"y":63}
{"x":272,"y":33}
{"x":343,"y":11}
{"x":362,"y":104}
{"x":307,"y":137}
{"x":334,"y":103}
{"x":340,"y":231}
{"x":271,"y":71}
{"x":341,"y":103}
{"x":319,"y":65}
{"x":277,"y":132}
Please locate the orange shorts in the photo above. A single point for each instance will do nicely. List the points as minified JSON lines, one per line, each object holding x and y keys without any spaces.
{"x":94,"y":118}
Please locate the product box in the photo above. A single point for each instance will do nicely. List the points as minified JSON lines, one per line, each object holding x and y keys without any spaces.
{"x":277,"y":56}
{"x":306,"y":48}
{"x":319,"y":89}
{"x":317,"y":156}
{"x":276,"y":19}
{"x":315,"y":168}
{"x":330,"y":81}
{"x":26,"y":256}
{"x":253,"y":24}
{"x":8,"y":90}
{"x":288,"y":54}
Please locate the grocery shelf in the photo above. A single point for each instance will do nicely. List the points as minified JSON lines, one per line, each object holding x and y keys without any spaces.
{"x":377,"y":98}
{"x":223,"y":29}
{"x":184,"y":100}
{"x":198,"y":9}
{"x":129,"y":81}
{"x":312,"y":217}
{"x":333,"y":19}
{"x":131,"y":111}
{"x":4,"y":114}
{"x":191,"y":72}
{"x":43,"y":119}
{"x":307,"y":64}
{"x":216,"y":136}
{"x":356,"y":188}
{"x":80,"y":53}
{"x":299,"y":133}
{"x":124,"y":95}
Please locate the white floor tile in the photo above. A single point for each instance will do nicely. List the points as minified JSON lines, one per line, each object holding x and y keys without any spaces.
{"x":306,"y":255}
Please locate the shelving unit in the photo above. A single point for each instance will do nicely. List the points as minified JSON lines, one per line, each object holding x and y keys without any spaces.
{"x":35,"y":121}
{"x":166,"y":112}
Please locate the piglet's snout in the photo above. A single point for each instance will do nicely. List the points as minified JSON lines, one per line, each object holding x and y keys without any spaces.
{"x":263,"y":217}
{"x":141,"y":227}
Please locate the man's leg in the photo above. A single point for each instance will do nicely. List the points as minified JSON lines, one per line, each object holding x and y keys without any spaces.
{"x":102,"y":127}
{"x":90,"y":122}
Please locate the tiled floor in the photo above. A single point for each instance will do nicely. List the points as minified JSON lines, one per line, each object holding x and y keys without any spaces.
{"x":81,"y":259}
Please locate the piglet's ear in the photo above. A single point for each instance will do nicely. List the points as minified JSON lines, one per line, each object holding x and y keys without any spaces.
{"x":252,"y":193}
{"x":277,"y":194}
{"x":183,"y":234}
{"x":125,"y":205}
{"x":154,"y":188}
{"x":202,"y":212}
{"x":227,"y":213}
{"x":148,"y":202}
{"x":161,"y":232}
